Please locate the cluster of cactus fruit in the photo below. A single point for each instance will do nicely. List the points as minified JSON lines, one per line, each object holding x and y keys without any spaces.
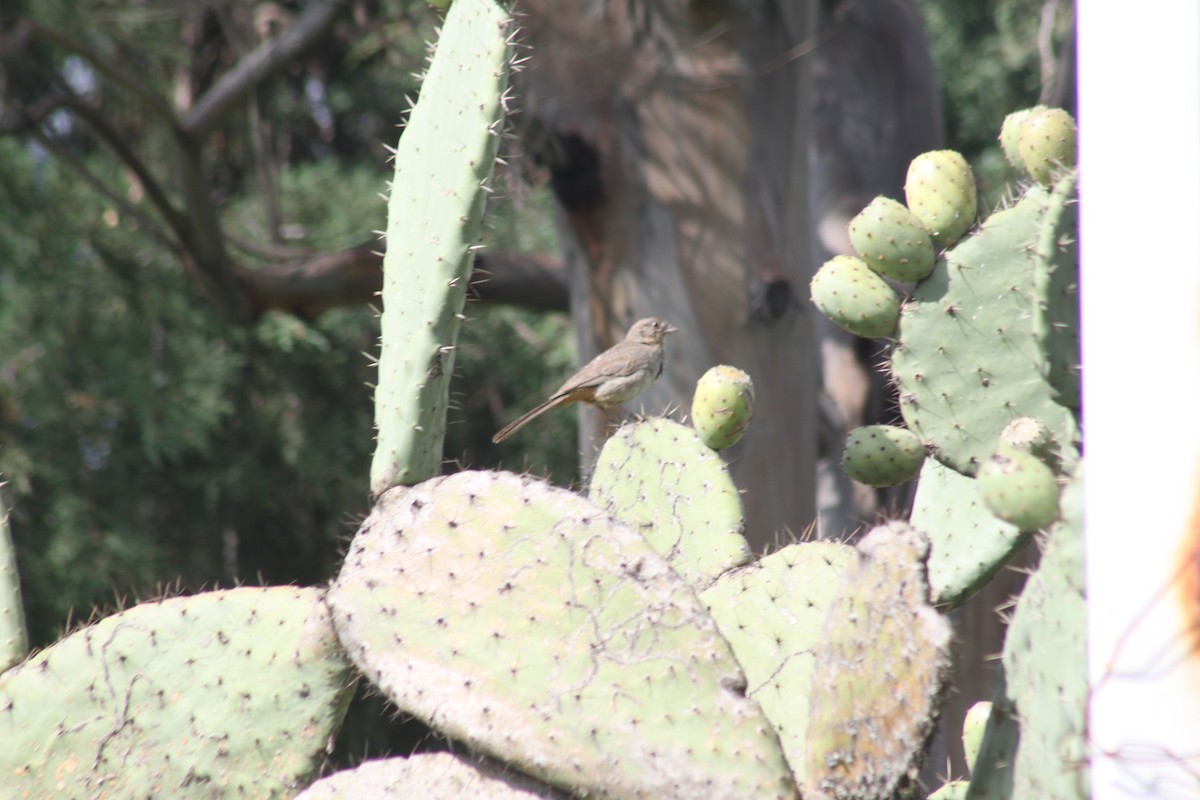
{"x":626,"y":643}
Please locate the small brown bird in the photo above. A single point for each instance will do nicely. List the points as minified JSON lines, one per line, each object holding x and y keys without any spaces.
{"x":616,"y":376}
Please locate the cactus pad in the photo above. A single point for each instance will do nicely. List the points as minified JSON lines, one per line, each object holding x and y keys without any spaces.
{"x":968,"y":544}
{"x":940,"y":190}
{"x":722,"y":406}
{"x":892,"y":241}
{"x":880,"y":668}
{"x":855,"y":298}
{"x":660,"y":479}
{"x":220,"y":694}
{"x":1056,"y":290}
{"x":526,"y":622}
{"x":967,"y":363}
{"x":772,"y":613}
{"x":882,"y":455}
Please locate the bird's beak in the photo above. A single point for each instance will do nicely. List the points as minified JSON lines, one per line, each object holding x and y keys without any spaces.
{"x":671,"y":328}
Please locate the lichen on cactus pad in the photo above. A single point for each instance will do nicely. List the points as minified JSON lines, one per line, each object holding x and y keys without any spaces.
{"x":940,"y":190}
{"x":722,"y":406}
{"x":428,"y":776}
{"x":892,"y":241}
{"x":880,"y":668}
{"x":658,"y":477}
{"x":773,"y":613}
{"x":967,"y":364}
{"x":855,"y":298}
{"x":524,"y":621}
{"x":225,"y":693}
{"x":882,"y":455}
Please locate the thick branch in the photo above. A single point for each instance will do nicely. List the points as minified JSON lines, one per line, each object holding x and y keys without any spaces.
{"x":354,"y":277}
{"x":258,"y":65}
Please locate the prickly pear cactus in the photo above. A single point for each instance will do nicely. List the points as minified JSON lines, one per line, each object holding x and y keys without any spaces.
{"x":880,"y":668}
{"x":882,"y":455}
{"x":1046,"y":143}
{"x":523,"y":620}
{"x":659,"y":478}
{"x":722,"y":406}
{"x":443,"y":164}
{"x":1056,"y":292}
{"x":428,"y":775}
{"x":772,"y":613}
{"x":855,"y":298}
{"x":226,"y":693}
{"x":1035,"y":744}
{"x":967,"y":364}
{"x":1019,"y":489}
{"x":14,"y":640}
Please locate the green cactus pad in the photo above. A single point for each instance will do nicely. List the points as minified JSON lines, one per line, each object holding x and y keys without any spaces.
{"x":892,"y":241}
{"x":428,"y":776}
{"x":940,"y":190}
{"x":14,"y":639}
{"x":1046,"y":143}
{"x":1056,"y":289}
{"x":855,"y":298}
{"x":968,"y":544}
{"x":722,"y":406}
{"x":1044,"y":694}
{"x":772,"y":613}
{"x":526,"y":622}
{"x":1008,"y":134}
{"x":879,"y":671}
{"x":967,"y":363}
{"x":659,"y":478}
{"x":882,"y":455}
{"x":231,"y":693}
{"x":1019,"y":489}
{"x":435,"y":214}
{"x":974,"y":725}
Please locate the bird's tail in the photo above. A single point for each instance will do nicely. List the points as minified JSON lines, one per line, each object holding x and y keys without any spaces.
{"x":519,"y":422}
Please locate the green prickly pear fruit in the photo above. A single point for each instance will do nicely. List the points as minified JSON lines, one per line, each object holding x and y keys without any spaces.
{"x":1030,"y":435}
{"x":974,"y":725}
{"x":1008,"y":134}
{"x":1046,"y":143}
{"x":882,"y":455}
{"x":1019,"y":489}
{"x":722,"y":406}
{"x":855,"y":298}
{"x":892,"y":241}
{"x":940,"y":189}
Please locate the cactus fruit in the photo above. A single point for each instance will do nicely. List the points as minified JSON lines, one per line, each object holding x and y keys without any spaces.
{"x":772,"y":613}
{"x":968,"y":544}
{"x":435,"y":214}
{"x":1019,"y":489}
{"x":430,"y":776}
{"x":879,"y":671}
{"x":526,"y":622}
{"x":722,"y":406}
{"x":855,"y":298}
{"x":882,"y":455}
{"x":659,"y":478}
{"x":940,"y":190}
{"x":892,"y":241}
{"x":1008,"y":134}
{"x":1029,"y":435}
{"x":974,"y":724}
{"x":966,"y":364}
{"x":1046,"y":143}
{"x":233,"y":693}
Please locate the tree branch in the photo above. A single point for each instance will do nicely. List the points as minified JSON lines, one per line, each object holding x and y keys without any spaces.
{"x":258,"y":65}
